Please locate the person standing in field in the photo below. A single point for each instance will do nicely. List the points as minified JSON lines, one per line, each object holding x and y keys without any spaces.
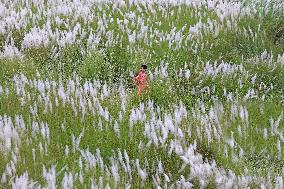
{"x":142,"y":79}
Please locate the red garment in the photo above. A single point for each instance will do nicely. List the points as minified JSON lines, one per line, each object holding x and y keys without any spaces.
{"x":142,"y":79}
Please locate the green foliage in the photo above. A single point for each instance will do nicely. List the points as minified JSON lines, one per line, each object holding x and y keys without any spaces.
{"x":269,"y":77}
{"x":93,"y":65}
{"x":262,"y":162}
{"x":10,"y":67}
{"x":162,"y":93}
{"x":111,"y":64}
{"x":41,"y":57}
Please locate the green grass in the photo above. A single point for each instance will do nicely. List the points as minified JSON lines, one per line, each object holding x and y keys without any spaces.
{"x":112,"y":65}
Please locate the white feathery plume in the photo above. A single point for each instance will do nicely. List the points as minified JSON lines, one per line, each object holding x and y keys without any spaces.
{"x":241,"y":153}
{"x":141,"y":173}
{"x":178,"y":148}
{"x":231,"y":140}
{"x":226,"y":151}
{"x":265,"y":134}
{"x":240,"y":130}
{"x":141,"y":146}
{"x":81,"y":178}
{"x":180,"y":73}
{"x":50,"y":177}
{"x":41,"y":150}
{"x":279,"y":182}
{"x":4,"y":178}
{"x":100,"y":124}
{"x":66,"y":151}
{"x":128,"y":164}
{"x":165,"y":133}
{"x":35,"y":128}
{"x":106,"y":115}
{"x":100,"y":159}
{"x":61,"y":93}
{"x":7,"y":92}
{"x":33,"y":154}
{"x":93,"y":184}
{"x":116,"y":129}
{"x":120,"y":158}
{"x":23,"y":182}
{"x":67,"y":181}
{"x":115,"y":171}
{"x":80,"y":163}
{"x":101,"y":180}
{"x":127,"y":186}
{"x":107,"y":186}
{"x":160,"y":167}
{"x":242,"y":113}
{"x":168,"y":122}
{"x":187,"y":73}
{"x":11,"y":51}
{"x":120,"y":116}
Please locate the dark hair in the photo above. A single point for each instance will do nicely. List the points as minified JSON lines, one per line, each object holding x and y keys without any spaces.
{"x":144,"y":66}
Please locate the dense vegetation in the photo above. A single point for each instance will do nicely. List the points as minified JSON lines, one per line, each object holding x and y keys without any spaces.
{"x":70,"y":117}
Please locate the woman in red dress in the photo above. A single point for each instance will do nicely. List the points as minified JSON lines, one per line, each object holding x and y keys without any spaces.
{"x":142,"y":79}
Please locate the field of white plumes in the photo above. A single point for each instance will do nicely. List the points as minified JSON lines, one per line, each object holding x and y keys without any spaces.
{"x":70,"y":117}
